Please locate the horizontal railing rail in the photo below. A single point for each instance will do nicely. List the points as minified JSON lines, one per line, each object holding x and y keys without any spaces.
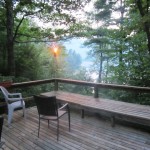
{"x":103,"y":85}
{"x":96,"y":86}
{"x":31,"y":83}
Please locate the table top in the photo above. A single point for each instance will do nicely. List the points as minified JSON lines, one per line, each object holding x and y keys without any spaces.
{"x":101,"y":104}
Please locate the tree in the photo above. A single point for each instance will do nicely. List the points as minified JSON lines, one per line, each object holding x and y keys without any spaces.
{"x":50,"y":11}
{"x":100,"y":43}
{"x":101,"y":36}
{"x":124,"y":46}
{"x":10,"y":38}
{"x":74,"y":60}
{"x":144,"y":11}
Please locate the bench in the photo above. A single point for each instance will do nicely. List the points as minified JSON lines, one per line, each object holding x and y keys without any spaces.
{"x":134,"y":112}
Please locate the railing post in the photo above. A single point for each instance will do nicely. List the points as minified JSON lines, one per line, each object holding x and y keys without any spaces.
{"x":95,"y":91}
{"x":56,"y":85}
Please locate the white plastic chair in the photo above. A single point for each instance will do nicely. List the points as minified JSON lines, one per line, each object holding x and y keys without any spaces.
{"x":14,"y":101}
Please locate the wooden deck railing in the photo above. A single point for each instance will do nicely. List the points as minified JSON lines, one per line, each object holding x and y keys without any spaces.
{"x":125,"y":111}
{"x":96,"y":86}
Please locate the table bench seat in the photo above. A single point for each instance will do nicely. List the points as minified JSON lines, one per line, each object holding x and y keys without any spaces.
{"x":134,"y":112}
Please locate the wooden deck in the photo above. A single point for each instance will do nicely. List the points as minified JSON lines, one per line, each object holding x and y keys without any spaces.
{"x":90,"y":133}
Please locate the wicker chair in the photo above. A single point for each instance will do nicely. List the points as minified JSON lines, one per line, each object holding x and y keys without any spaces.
{"x":48,"y":110}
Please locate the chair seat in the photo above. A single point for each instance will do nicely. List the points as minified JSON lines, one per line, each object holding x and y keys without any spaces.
{"x":60,"y":113}
{"x":16,"y":104}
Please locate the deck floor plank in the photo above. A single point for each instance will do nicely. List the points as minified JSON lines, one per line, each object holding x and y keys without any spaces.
{"x":90,"y":133}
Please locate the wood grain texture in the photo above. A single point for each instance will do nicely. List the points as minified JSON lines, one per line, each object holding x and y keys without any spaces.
{"x":134,"y":112}
{"x":89,"y":133}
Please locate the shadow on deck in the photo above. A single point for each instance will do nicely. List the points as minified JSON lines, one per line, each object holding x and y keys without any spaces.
{"x":90,"y":133}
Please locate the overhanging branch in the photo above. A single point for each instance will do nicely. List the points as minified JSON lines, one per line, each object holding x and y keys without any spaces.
{"x":17,"y":28}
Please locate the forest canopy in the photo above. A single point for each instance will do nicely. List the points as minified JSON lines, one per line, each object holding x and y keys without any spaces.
{"x":117,"y":33}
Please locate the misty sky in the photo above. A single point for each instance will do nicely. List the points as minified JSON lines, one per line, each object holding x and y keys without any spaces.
{"x":76,"y":44}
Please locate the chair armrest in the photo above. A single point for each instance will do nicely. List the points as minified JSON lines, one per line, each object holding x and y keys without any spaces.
{"x":11,"y":100}
{"x":64,"y":106}
{"x":12,"y":97}
{"x":15,"y":94}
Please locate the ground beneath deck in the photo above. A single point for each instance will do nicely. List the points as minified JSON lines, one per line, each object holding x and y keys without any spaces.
{"x":90,"y":133}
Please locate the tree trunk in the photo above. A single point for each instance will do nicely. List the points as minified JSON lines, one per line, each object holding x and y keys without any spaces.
{"x":122,"y":10}
{"x":144,"y":11}
{"x":10,"y":41}
{"x":100,"y":69}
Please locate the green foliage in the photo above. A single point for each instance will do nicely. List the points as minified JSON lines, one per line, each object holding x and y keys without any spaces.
{"x":3,"y":53}
{"x":80,"y":74}
{"x":20,"y":27}
{"x":29,"y":62}
{"x":73,"y":60}
{"x":122,"y":55}
{"x":6,"y":78}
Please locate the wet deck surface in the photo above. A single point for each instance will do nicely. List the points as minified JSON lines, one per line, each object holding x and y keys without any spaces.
{"x":90,"y":133}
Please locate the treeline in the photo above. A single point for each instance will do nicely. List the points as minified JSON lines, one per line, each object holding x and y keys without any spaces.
{"x":119,"y":42}
{"x":120,"y":45}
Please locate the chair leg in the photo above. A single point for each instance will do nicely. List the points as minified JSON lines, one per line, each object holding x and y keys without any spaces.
{"x":39,"y":128}
{"x":48,"y":123}
{"x":69,"y":117}
{"x":10,"y":115}
{"x":24,"y":112}
{"x":57,"y":129}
